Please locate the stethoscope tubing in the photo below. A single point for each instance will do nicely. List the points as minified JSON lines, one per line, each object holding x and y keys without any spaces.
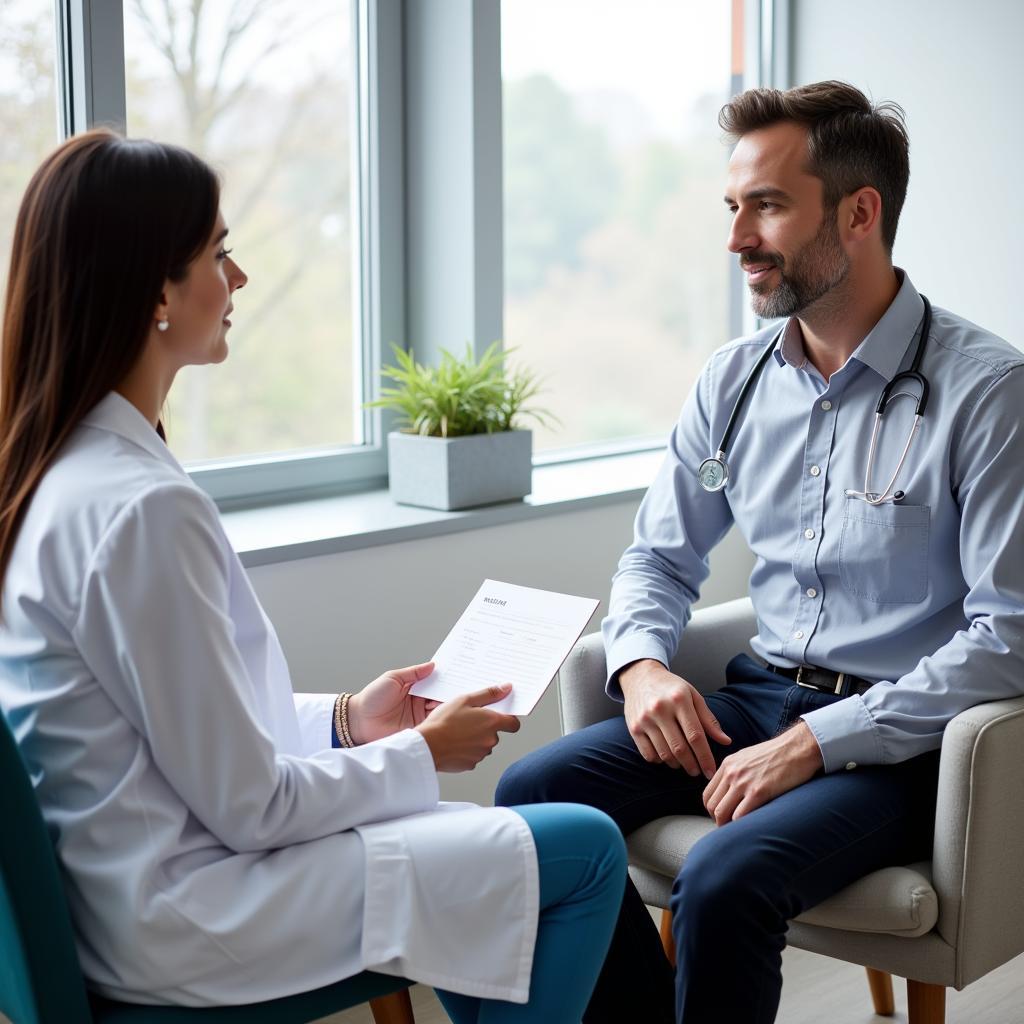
{"x":914,"y":374}
{"x":744,"y":391}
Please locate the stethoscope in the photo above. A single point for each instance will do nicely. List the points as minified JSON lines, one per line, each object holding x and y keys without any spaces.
{"x":713,"y":473}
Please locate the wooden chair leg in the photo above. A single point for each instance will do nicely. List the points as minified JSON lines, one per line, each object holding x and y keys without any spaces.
{"x":926,"y":1004}
{"x":393,"y":1009}
{"x":880,"y":983}
{"x":667,"y":942}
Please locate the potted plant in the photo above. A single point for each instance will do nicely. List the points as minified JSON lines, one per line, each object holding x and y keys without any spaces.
{"x":458,"y":442}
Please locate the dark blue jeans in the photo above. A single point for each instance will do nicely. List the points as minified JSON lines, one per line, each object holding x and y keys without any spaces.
{"x":741,"y":883}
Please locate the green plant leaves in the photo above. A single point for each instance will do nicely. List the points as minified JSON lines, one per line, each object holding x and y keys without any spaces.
{"x":459,"y":396}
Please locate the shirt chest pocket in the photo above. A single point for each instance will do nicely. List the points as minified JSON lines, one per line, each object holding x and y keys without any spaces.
{"x":883,"y":551}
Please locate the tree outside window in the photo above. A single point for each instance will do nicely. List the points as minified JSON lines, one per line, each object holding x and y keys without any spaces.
{"x":262,"y":90}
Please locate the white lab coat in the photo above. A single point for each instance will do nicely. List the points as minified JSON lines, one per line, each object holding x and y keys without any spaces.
{"x":215,"y":848}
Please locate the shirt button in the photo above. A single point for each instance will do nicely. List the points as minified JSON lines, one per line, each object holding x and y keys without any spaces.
{"x":811,"y":592}
{"x":815,"y":471}
{"x":809,"y":533}
{"x":798,"y":635}
{"x":850,"y":765}
{"x":826,"y":405}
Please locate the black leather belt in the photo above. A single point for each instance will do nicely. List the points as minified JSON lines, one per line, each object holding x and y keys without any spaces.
{"x":825,"y":680}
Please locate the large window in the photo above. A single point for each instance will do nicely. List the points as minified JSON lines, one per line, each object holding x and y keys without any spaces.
{"x":359,"y":147}
{"x":616,"y":274}
{"x":263,"y":90}
{"x":28,"y":102}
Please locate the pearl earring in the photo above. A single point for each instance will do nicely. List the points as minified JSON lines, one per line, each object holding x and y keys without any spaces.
{"x":162,"y":325}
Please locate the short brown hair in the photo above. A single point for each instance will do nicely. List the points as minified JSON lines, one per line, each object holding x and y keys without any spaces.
{"x":851,"y":142}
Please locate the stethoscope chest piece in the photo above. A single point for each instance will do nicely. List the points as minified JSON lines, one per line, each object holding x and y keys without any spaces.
{"x":713,"y":473}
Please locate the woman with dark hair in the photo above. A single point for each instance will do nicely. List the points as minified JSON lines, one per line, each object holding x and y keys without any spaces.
{"x":224,"y":840}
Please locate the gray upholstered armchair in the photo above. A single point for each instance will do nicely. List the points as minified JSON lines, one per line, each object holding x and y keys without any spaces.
{"x":940,"y":923}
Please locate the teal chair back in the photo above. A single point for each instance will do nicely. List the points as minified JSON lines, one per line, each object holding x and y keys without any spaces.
{"x":40,"y":977}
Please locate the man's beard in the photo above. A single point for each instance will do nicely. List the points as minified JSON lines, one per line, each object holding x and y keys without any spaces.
{"x":814,"y":271}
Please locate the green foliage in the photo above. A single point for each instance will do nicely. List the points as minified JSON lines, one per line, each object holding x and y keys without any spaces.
{"x":561,"y":180}
{"x":461,"y":396}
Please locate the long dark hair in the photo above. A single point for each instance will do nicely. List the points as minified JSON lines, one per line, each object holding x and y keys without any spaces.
{"x":104,"y":223}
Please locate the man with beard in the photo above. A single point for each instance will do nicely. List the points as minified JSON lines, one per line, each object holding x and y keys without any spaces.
{"x":887,"y":580}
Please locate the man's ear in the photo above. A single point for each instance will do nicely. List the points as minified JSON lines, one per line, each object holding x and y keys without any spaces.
{"x":861,"y":214}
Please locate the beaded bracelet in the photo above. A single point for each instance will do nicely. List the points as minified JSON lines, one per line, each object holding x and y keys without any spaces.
{"x":341,"y":720}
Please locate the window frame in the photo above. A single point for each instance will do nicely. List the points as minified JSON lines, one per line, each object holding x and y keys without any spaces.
{"x":410,"y":227}
{"x":91,"y":92}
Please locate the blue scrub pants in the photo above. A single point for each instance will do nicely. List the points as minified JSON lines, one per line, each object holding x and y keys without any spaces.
{"x":741,"y":883}
{"x":582,"y":863}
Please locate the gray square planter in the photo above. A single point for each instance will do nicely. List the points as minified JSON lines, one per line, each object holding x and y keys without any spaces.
{"x":459,"y":472}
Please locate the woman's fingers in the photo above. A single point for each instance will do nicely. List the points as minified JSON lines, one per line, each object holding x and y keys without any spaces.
{"x":419,"y":709}
{"x":488,"y":695}
{"x":508,"y":723}
{"x":412,"y":673}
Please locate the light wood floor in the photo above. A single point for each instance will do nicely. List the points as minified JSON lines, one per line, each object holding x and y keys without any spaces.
{"x":818,"y":990}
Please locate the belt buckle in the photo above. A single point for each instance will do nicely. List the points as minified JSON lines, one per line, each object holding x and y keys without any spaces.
{"x":837,"y":690}
{"x":800,"y":679}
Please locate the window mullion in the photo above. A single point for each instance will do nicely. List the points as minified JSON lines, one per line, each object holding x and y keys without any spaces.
{"x":90,"y":40}
{"x":454,"y":211}
{"x":379,"y":205}
{"x":775,"y":37}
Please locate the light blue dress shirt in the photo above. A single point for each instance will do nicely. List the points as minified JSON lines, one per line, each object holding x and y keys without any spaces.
{"x":924,"y":596}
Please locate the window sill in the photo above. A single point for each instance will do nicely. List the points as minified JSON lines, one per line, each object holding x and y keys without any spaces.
{"x":323,"y":526}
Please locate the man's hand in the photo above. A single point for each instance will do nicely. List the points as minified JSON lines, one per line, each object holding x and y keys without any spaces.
{"x":668,"y":719}
{"x":752,"y":777}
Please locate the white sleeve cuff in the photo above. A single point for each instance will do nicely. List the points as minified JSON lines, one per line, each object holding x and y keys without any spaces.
{"x":412,"y":774}
{"x":315,"y":712}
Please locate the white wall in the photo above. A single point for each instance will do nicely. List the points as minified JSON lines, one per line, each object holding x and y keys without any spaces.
{"x":345,"y":618}
{"x":954,"y":67}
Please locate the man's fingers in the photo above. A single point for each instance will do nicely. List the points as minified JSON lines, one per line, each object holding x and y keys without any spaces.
{"x":653,"y":749}
{"x":693,"y":734}
{"x":725,"y":809}
{"x":671,"y":747}
{"x":710,"y":795}
{"x":508,"y":723}
{"x":662,"y":752}
{"x":707,"y":719}
{"x":746,"y":805}
{"x":646,"y":748}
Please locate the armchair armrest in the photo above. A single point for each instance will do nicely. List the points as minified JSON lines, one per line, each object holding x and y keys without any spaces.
{"x":712,"y":637}
{"x":979,"y":837}
{"x":979,"y":821}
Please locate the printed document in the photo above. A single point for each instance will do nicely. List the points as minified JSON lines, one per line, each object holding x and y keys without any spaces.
{"x":508,"y":634}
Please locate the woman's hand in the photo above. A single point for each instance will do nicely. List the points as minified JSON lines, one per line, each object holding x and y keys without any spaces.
{"x":385,"y":706}
{"x":463,"y":731}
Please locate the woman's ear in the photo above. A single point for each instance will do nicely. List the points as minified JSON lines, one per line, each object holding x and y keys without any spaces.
{"x":161,"y":314}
